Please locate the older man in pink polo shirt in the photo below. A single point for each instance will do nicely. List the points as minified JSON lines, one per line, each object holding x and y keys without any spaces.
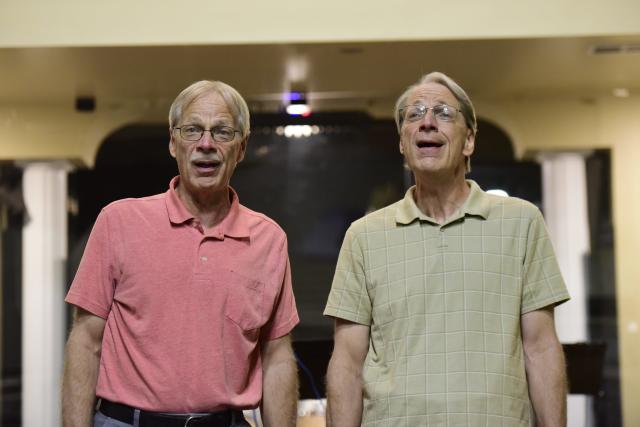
{"x":183,"y":300}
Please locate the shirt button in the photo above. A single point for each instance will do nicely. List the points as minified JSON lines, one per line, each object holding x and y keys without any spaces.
{"x":203,"y":258}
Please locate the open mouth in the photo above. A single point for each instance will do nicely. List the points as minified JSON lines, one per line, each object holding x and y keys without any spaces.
{"x":205,"y":166}
{"x":425,"y":144}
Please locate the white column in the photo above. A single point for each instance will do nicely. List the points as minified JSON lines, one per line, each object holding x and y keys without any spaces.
{"x":44,"y":253}
{"x":564,"y":198}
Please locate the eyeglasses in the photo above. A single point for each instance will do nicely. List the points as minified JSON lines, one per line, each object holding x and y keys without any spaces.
{"x":442,"y":112}
{"x":218,"y":133}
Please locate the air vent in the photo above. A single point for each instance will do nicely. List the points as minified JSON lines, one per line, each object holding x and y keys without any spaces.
{"x":612,"y":49}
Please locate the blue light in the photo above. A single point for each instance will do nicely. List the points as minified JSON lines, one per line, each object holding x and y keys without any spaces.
{"x":296,"y":96}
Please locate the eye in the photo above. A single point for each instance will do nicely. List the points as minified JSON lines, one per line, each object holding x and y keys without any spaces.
{"x":224,"y":132}
{"x":444,"y":112}
{"x":191,"y":129}
{"x":414,"y":112}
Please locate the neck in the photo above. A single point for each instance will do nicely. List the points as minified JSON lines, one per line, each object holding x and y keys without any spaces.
{"x":440,"y":198}
{"x":207,"y":207}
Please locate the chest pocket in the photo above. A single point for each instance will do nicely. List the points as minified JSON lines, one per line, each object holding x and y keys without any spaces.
{"x":245,"y":304}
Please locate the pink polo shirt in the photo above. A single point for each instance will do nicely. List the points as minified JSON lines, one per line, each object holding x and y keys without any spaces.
{"x":185,"y":309}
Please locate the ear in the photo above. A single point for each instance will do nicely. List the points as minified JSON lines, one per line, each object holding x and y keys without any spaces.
{"x":172,"y":144}
{"x":469,"y":144}
{"x":401,"y":147}
{"x":243,"y":149}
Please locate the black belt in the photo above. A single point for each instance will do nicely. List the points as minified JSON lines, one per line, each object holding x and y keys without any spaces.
{"x":125,"y":413}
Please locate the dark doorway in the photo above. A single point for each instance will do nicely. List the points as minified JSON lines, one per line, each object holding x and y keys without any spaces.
{"x":12,"y":215}
{"x":602,"y":313}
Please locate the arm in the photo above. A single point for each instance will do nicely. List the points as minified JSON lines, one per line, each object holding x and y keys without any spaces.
{"x":545,"y":367}
{"x":279,"y":407}
{"x":344,"y":375}
{"x":81,"y":369}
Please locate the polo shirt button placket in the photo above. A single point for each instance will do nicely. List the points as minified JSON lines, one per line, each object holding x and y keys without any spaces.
{"x":443,"y":238}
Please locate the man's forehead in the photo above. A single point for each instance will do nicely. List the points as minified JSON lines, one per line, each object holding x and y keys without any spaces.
{"x":432,"y":92}
{"x":210,"y":103}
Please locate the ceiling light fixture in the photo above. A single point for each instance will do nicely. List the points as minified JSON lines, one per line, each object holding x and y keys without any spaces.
{"x":298,"y":105}
{"x":621,"y":92}
{"x":297,"y":131}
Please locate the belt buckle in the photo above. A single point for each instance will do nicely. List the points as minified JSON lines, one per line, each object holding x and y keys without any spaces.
{"x":193,"y":418}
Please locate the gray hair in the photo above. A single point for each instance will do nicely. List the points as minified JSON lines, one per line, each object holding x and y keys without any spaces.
{"x":234,"y":101}
{"x":466,"y":107}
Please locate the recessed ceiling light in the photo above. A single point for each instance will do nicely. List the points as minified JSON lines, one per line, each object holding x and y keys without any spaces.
{"x":621,"y":92}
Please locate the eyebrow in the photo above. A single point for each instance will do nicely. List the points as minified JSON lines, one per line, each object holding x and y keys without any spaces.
{"x":199,"y":121}
{"x":437,"y":102}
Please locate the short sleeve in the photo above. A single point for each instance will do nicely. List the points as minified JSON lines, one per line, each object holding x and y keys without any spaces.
{"x":542,"y":282}
{"x":284,"y":316}
{"x":94,"y":283}
{"x":349,"y":298}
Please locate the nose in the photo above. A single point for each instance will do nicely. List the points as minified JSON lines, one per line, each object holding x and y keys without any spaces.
{"x":429,"y":120}
{"x":206,"y":142}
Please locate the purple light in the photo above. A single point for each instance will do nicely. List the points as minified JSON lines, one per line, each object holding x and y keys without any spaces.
{"x":296,"y":96}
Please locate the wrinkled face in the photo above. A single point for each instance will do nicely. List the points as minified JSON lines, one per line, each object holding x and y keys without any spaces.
{"x":432,"y":145}
{"x":206,"y":165}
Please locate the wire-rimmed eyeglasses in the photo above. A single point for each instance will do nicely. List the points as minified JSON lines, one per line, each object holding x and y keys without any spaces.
{"x":218,"y":133}
{"x":415,"y":112}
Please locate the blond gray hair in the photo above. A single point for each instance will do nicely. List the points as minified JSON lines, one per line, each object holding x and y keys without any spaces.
{"x":235,"y":103}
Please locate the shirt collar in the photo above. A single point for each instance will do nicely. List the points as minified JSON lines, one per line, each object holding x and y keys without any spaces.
{"x":477,"y":204}
{"x":178,"y":214}
{"x":234,"y":223}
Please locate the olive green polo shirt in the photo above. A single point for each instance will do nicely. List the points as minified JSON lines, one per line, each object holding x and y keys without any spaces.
{"x":444,"y":304}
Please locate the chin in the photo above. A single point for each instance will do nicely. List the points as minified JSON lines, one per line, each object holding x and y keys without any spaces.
{"x":200,"y":183}
{"x":210,"y":185}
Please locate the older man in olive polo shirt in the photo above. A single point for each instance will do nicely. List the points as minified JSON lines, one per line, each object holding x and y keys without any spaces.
{"x":443,"y":302}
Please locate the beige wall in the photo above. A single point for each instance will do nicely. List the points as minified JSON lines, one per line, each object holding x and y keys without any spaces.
{"x":59,"y":132}
{"x":626,"y":195}
{"x":143,"y":22}
{"x":611,"y":123}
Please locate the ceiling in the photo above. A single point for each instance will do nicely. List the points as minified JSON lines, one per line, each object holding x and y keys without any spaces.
{"x":337,"y":76}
